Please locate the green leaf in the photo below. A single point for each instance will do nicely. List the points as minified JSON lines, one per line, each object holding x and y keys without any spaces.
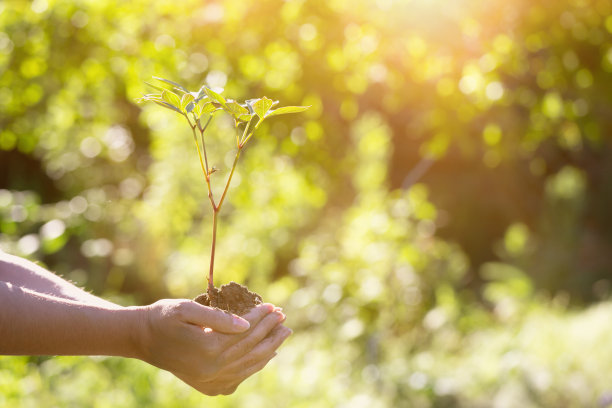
{"x":181,"y":87}
{"x":151,"y":97}
{"x":155,"y":87}
{"x":203,"y":108}
{"x":245,"y":118}
{"x":262,"y":106}
{"x":197,"y":110}
{"x":201,"y":94}
{"x":167,"y":105}
{"x":208,"y":107}
{"x":171,"y":98}
{"x":187,"y":102}
{"x":287,"y":109}
{"x":236,"y":110}
{"x":249,"y":104}
{"x":215,"y":96}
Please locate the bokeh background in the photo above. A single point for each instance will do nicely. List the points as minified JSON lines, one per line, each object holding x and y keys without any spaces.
{"x":437,"y":227}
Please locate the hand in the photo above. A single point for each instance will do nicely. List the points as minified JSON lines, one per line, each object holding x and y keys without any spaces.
{"x":210,"y":350}
{"x":244,"y":354}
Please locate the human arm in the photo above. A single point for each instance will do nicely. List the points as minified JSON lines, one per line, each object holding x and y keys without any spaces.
{"x":23,"y":273}
{"x":202,"y":346}
{"x":34,"y":323}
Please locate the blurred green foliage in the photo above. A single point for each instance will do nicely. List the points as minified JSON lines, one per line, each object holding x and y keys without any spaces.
{"x":426,"y":224}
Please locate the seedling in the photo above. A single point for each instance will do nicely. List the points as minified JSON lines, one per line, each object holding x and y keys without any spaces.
{"x":199,"y":108}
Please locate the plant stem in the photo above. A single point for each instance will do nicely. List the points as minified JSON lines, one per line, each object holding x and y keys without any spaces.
{"x":202,"y":130}
{"x":216,"y":207}
{"x":204,"y":163}
{"x":210,"y":193}
{"x":240,"y":143}
{"x":229,"y":178}
{"x":244,"y":140}
{"x":205,"y":169}
{"x":211,"y":286}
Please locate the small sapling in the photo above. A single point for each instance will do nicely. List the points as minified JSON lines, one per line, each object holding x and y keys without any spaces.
{"x":199,"y":108}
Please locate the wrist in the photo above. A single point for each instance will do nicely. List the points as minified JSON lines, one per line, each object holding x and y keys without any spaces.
{"x":137,"y":329}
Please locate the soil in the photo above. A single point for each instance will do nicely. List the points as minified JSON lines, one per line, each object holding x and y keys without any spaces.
{"x":232,"y":297}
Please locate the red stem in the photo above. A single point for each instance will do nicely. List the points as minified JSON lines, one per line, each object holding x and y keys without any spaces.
{"x":212,"y":254}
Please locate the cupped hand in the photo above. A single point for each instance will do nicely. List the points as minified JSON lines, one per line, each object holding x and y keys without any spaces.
{"x":211,"y":350}
{"x":243,"y":354}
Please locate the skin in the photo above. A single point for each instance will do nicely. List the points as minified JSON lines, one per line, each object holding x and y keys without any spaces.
{"x":211,"y":350}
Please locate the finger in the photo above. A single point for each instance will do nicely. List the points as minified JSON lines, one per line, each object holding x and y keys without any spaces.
{"x":218,"y":320}
{"x":227,"y":380}
{"x":252,"y":369}
{"x":254,"y":316}
{"x":262,"y":349}
{"x":229,"y":384}
{"x":253,"y":337}
{"x":268,"y":345}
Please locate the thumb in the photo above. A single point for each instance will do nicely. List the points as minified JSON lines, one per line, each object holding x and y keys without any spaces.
{"x":215,"y":319}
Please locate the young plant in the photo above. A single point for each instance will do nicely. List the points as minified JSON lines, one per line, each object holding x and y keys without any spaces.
{"x":199,"y":108}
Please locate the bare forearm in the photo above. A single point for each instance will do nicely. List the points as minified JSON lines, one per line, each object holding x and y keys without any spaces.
{"x":41,"y":314}
{"x":26,"y":274}
{"x":36,"y":324}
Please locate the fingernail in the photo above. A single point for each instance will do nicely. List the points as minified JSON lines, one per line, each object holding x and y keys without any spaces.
{"x":241,"y":323}
{"x":281,"y":316}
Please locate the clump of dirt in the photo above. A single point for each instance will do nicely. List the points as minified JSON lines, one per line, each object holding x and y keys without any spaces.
{"x":232,"y":297}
